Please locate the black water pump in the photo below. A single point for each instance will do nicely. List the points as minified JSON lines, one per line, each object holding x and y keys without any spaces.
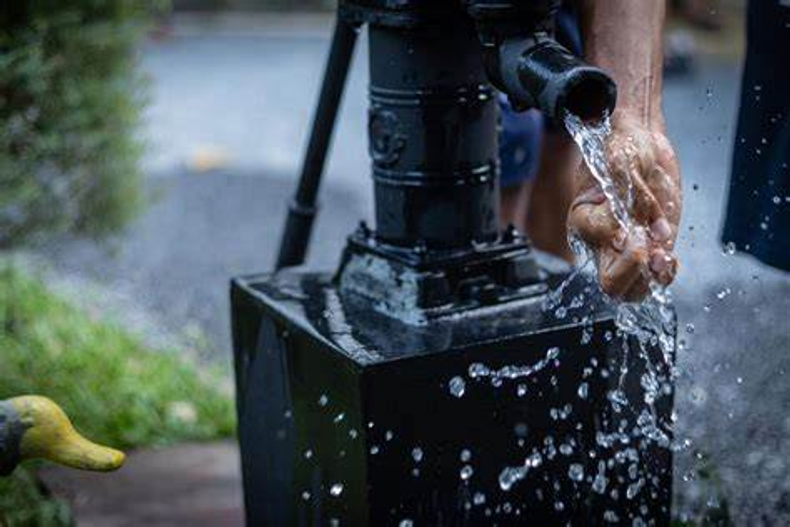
{"x":357,"y":397}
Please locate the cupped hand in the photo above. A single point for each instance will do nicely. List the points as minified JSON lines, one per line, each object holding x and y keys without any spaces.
{"x":646,"y":176}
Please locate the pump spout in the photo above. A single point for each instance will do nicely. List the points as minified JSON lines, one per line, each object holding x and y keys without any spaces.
{"x":537,"y":72}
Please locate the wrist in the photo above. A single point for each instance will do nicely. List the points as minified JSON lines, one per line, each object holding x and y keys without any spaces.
{"x":647,"y":118}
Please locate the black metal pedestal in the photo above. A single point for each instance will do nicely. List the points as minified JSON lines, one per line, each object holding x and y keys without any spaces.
{"x":349,"y":417}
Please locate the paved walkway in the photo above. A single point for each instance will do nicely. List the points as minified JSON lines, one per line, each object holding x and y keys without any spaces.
{"x":188,"y":485}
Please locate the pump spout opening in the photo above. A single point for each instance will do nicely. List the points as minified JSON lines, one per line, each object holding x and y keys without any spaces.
{"x":537,"y":72}
{"x":560,"y":82}
{"x":588,"y":93}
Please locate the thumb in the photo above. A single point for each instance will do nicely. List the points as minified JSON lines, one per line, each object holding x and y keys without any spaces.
{"x":591,"y":219}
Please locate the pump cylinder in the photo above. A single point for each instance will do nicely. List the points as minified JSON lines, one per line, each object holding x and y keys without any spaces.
{"x":432,"y":136}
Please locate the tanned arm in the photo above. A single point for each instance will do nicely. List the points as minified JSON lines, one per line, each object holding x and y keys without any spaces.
{"x":624,"y":37}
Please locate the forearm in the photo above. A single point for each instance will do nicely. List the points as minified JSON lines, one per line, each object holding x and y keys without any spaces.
{"x":624,"y":37}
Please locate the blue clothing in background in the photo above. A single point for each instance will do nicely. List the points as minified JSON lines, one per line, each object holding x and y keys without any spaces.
{"x":519,"y":144}
{"x":758,"y":209}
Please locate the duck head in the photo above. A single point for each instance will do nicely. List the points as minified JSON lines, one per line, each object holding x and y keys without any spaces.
{"x":34,"y":427}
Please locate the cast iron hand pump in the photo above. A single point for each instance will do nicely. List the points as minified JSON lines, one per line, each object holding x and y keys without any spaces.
{"x":433,"y":117}
{"x":355,"y":399}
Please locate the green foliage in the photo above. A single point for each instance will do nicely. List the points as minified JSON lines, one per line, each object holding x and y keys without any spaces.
{"x":115,"y":389}
{"x":25,"y":503}
{"x":70,"y":95}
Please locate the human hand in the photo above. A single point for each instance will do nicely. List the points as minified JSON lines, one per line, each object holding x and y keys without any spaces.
{"x":646,"y":176}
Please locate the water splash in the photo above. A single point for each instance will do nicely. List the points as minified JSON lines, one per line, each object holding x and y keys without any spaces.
{"x":652,"y":320}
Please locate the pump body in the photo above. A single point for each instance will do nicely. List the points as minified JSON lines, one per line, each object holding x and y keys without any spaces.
{"x":360,"y":394}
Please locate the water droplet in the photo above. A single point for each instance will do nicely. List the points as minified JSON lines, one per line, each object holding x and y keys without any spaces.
{"x":520,"y":429}
{"x":374,"y":450}
{"x":416,"y":454}
{"x":633,"y":489}
{"x":479,"y":498}
{"x":582,"y":391}
{"x":521,"y":390}
{"x":306,"y":496}
{"x":509,"y":476}
{"x":457,"y":386}
{"x":478,"y":370}
{"x":466,"y":455}
{"x":690,"y":328}
{"x":466,"y":472}
{"x":336,"y":489}
{"x":388,"y":435}
{"x":352,"y":433}
{"x":576,"y":472}
{"x":599,"y":483}
{"x":406,"y":523}
{"x":308,"y":454}
{"x":323,"y":400}
{"x":339,"y":417}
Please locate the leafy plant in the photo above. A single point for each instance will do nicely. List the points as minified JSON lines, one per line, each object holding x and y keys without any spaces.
{"x":70,"y":98}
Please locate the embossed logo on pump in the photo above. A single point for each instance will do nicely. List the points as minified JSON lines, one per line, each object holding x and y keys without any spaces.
{"x":387,"y":140}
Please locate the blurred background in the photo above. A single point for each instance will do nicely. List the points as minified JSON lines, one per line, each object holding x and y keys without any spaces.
{"x":147,"y":153}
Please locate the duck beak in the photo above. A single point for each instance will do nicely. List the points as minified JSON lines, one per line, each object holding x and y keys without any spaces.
{"x":50,"y":435}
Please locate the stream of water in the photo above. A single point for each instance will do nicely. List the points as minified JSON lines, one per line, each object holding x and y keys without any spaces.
{"x":652,"y":320}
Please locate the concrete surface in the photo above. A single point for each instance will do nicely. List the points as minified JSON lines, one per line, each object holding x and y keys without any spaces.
{"x":187,"y":485}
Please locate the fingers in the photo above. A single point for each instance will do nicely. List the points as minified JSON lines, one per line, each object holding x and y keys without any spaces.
{"x":664,"y":266}
{"x":624,"y":274}
{"x":591,"y":218}
{"x":666,"y":190}
{"x":647,"y":209}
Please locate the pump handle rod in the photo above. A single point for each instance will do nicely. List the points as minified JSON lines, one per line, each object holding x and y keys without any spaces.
{"x":302,"y":208}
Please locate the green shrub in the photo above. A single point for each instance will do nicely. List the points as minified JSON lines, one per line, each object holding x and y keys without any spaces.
{"x":70,"y":97}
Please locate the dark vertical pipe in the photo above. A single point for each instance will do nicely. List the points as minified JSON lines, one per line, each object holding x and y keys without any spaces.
{"x":432,"y":135}
{"x":302,"y":209}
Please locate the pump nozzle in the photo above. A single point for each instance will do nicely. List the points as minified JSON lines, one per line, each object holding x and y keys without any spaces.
{"x":538,"y":72}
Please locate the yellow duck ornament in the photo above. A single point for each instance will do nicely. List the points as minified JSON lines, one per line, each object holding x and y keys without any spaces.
{"x":34,"y":427}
